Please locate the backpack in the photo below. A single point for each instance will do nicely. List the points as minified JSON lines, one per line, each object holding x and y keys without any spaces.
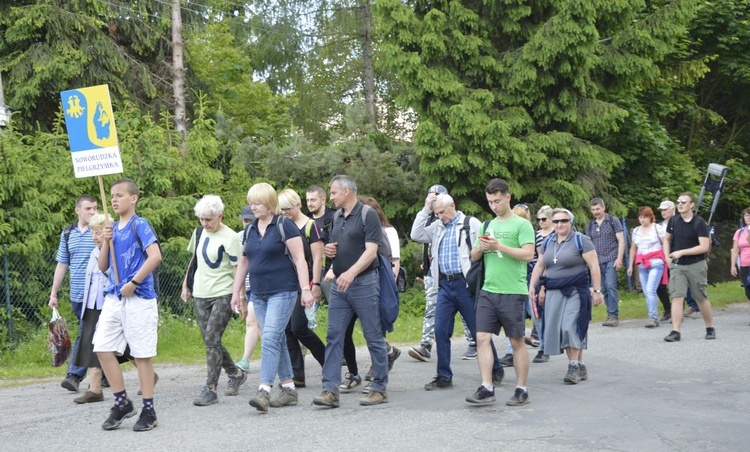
{"x":577,"y":239}
{"x":193,"y":267}
{"x":475,"y":275}
{"x":155,"y":273}
{"x":66,"y":235}
{"x":280,"y":222}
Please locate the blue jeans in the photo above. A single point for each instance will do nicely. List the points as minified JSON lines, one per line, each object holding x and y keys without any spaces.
{"x":609,"y":288}
{"x":273,"y":312}
{"x":650,"y":279}
{"x":73,"y":369}
{"x":363,"y":299}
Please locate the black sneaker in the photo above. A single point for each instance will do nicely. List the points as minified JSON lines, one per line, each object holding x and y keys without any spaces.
{"x":573,"y":377}
{"x":439,"y":383}
{"x":497,"y":376}
{"x":507,"y":360}
{"x":393,"y":356}
{"x":147,"y":421}
{"x":117,"y":414}
{"x":520,"y":398}
{"x":369,"y":375}
{"x":710,"y":333}
{"x":541,"y":357}
{"x":105,"y":382}
{"x":483,"y":395}
{"x":421,"y":353}
{"x":674,"y":336}
{"x":71,"y":382}
{"x":665,"y":318}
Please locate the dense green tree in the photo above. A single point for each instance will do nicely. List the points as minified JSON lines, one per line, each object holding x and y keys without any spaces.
{"x":528,"y":91}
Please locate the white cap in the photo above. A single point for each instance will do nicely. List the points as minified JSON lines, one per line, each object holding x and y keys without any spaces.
{"x":666,"y":205}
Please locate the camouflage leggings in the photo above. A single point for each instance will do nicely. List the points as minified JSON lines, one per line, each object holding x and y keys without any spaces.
{"x":428,"y":326}
{"x":213,"y":315}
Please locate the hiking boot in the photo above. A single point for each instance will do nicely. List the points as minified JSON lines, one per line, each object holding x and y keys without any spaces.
{"x":286,"y":397}
{"x":520,"y":398}
{"x":374,"y":398}
{"x":261,"y":400}
{"x":611,"y":321}
{"x":439,"y":383}
{"x":71,"y":382}
{"x":483,"y":395}
{"x":207,"y":397}
{"x":117,"y":414}
{"x":666,"y":318}
{"x":146,"y":421}
{"x":497,"y":376}
{"x":710,"y":333}
{"x":393,"y":356}
{"x":327,"y":398}
{"x":674,"y":336}
{"x":690,"y":313}
{"x":583,"y":372}
{"x":574,"y":374}
{"x":471,"y":352}
{"x":234,"y":383}
{"x":531,"y":342}
{"x":652,"y":323}
{"x":421,"y":353}
{"x":541,"y":357}
{"x":89,"y":397}
{"x":156,"y":380}
{"x":350,"y":382}
{"x":507,"y":360}
{"x":243,"y":365}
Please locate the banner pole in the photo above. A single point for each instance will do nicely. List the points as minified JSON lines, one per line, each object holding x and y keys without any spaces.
{"x":112,"y":259}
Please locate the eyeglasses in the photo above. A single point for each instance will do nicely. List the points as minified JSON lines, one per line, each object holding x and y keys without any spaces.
{"x":681,"y":201}
{"x":542,"y":219}
{"x":562,"y":220}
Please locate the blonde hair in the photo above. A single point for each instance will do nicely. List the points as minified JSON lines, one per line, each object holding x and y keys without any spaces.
{"x":546,"y":211}
{"x":521,"y":212}
{"x":99,"y":220}
{"x":289,"y":198}
{"x":266,"y":195}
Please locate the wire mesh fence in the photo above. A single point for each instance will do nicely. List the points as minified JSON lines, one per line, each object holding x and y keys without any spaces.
{"x":26,"y":282}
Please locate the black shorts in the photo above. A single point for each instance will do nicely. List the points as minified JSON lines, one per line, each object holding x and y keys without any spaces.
{"x":497,"y":310}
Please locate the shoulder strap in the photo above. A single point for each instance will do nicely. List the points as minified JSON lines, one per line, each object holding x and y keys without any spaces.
{"x":137,"y":237}
{"x":547,"y":240}
{"x":308,"y":228}
{"x":365,"y":208}
{"x":247,"y":231}
{"x":66,"y":234}
{"x":578,"y":239}
{"x":198,"y":232}
{"x":467,"y":230}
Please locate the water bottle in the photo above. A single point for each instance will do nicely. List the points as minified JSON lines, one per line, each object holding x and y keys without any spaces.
{"x":312,"y":321}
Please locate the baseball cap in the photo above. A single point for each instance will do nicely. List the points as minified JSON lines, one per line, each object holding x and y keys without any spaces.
{"x":666,"y":205}
{"x":439,"y":189}
{"x":247,"y":213}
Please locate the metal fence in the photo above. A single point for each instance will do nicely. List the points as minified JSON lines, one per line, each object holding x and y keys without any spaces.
{"x":26,"y":283}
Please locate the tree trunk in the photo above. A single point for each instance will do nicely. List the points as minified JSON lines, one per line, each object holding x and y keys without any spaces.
{"x":369,"y":70}
{"x":178,"y":87}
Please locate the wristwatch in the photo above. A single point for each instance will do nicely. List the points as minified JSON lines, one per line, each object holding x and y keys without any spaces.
{"x":599,"y":291}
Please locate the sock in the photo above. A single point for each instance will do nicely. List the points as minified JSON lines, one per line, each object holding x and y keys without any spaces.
{"x":148,"y":404}
{"x":489,"y":387}
{"x":581,"y":363}
{"x":289,"y":385}
{"x":522,"y":388}
{"x":265,"y":387}
{"x":121,"y":398}
{"x":573,"y":362}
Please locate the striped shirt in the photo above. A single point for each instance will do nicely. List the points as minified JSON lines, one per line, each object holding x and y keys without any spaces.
{"x":449,"y":262}
{"x":75,"y":253}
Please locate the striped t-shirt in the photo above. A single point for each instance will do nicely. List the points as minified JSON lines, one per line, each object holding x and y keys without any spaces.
{"x":75,"y":253}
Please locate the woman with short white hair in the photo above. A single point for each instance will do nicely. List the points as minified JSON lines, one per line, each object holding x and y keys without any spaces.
{"x":216,"y":249}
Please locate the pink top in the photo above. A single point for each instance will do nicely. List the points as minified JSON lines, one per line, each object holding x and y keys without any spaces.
{"x":741,"y":238}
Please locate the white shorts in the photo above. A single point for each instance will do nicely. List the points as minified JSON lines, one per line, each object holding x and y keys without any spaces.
{"x":131,"y":321}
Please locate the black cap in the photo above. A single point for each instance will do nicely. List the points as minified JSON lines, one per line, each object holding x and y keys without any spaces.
{"x":439,"y":189}
{"x":247,"y":213}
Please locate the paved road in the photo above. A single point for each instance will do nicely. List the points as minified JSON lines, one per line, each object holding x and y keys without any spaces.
{"x":642,"y":394}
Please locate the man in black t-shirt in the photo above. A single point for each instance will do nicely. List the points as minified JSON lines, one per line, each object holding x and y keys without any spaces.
{"x":323,"y":216}
{"x":687,"y":248}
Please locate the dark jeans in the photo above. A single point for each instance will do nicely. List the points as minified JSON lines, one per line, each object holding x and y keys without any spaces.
{"x":743,"y":279}
{"x":73,"y":369}
{"x":297,"y":330}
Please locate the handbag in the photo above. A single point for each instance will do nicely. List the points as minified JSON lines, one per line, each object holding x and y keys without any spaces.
{"x":193,"y":266}
{"x":59,"y":339}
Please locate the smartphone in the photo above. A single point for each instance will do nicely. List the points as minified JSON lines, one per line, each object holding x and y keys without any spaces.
{"x":486,"y":237}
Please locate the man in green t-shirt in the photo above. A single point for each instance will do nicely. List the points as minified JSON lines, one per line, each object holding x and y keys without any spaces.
{"x":506,"y":246}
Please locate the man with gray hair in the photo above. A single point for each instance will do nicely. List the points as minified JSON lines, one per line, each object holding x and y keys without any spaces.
{"x":451,"y":256}
{"x":609,"y":241}
{"x":353,"y":248}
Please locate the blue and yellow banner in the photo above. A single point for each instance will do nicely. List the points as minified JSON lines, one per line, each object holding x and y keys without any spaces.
{"x":91,"y":131}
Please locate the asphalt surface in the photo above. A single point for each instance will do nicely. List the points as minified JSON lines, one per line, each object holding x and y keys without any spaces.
{"x":642,"y":394}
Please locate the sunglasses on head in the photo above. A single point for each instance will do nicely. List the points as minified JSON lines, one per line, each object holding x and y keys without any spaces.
{"x":562,"y":220}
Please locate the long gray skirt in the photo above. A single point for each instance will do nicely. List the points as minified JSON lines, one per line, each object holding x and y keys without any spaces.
{"x":560,"y":322}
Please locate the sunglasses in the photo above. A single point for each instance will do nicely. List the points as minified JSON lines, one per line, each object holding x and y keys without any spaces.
{"x":523,"y":206}
{"x":286,"y":209}
{"x":563,"y":221}
{"x":682,"y":202}
{"x":542,"y":219}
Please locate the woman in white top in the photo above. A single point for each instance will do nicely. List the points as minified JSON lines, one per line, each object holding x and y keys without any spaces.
{"x":647,"y":251}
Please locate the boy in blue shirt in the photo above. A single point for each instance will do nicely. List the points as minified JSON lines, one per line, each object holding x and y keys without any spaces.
{"x":129,"y":314}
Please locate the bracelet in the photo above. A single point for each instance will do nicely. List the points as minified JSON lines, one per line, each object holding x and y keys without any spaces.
{"x":316,"y":284}
{"x":136,"y":283}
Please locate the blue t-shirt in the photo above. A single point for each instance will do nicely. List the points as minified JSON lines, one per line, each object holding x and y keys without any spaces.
{"x":130,"y":257}
{"x":76,"y":253}
{"x":270,"y":267}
